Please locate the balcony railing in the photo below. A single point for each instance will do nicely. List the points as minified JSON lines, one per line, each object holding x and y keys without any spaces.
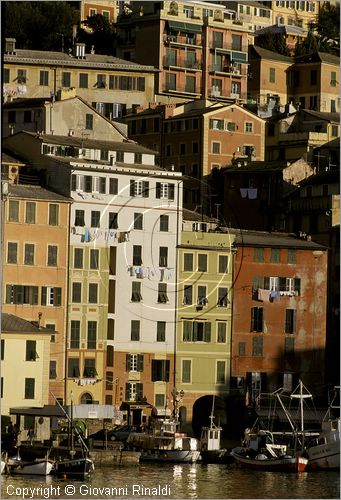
{"x":181,"y":40}
{"x":229,"y":46}
{"x":228,"y":69}
{"x":181,"y":89}
{"x":180,"y":62}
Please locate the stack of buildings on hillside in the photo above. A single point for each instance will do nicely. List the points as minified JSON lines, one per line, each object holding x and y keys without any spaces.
{"x":185,"y":238}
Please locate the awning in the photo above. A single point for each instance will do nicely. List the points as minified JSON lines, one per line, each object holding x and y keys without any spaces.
{"x":134,"y":405}
{"x":189,"y":28}
{"x":239,"y":57}
{"x":45,"y":411}
{"x":94,"y":411}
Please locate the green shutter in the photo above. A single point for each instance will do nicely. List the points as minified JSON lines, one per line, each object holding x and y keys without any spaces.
{"x":145,"y":189}
{"x":140,"y":362}
{"x":127,"y":362}
{"x":43,"y":295}
{"x":207,"y":332}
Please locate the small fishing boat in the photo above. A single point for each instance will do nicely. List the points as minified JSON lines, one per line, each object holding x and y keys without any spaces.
{"x":164,"y":443}
{"x":38,"y":467}
{"x":323,"y":451}
{"x":210,"y":450}
{"x":74,"y":467}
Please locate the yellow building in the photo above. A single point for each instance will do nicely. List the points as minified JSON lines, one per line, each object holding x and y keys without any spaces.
{"x":204,"y":321}
{"x":35,"y":263}
{"x":294,"y":13}
{"x":25,"y":355}
{"x":111,"y":85}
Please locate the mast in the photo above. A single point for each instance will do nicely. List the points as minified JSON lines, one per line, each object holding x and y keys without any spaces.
{"x":301,"y":396}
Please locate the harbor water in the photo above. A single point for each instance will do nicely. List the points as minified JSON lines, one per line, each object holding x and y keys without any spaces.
{"x":177,"y":481}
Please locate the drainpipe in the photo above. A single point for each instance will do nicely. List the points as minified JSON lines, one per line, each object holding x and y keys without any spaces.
{"x":176,"y":281}
{"x":67,"y":298}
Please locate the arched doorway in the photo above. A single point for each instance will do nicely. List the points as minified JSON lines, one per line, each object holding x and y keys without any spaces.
{"x":202,"y":410}
{"x":86,"y":399}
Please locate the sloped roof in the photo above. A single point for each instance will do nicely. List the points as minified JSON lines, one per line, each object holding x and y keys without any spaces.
{"x":190,"y":215}
{"x":12,"y":323}
{"x":8,"y":158}
{"x":60,"y":58}
{"x":269,"y":54}
{"x":328,"y":177}
{"x":319,"y":56}
{"x":282,"y":28}
{"x":272,"y":239}
{"x":323,"y":115}
{"x":257,"y":166}
{"x":34,"y":102}
{"x":34,"y":192}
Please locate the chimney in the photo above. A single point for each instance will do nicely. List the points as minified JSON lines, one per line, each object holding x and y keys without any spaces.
{"x":79,"y":50}
{"x":10,"y":46}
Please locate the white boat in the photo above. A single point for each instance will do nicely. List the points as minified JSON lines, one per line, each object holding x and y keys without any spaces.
{"x":38,"y":467}
{"x":324,"y":450}
{"x":163,"y":443}
{"x":210,"y":449}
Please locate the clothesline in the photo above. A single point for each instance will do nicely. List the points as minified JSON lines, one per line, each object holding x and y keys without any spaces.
{"x":151,"y":273}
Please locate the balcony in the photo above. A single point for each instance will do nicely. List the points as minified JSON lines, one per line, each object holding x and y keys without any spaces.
{"x":181,"y":40}
{"x":180,"y":62}
{"x":182,"y":89}
{"x":229,"y":47}
{"x":228,"y":70}
{"x":311,"y":137}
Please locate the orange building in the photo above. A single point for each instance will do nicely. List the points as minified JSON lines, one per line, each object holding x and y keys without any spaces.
{"x":35,"y":263}
{"x":279,"y":313}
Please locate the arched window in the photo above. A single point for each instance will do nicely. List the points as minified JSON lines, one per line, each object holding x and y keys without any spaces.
{"x":86,"y":399}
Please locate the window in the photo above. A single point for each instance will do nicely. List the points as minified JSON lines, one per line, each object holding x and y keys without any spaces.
{"x":275,"y":255}
{"x":94,"y":258}
{"x":13,"y":211}
{"x":159,"y":400}
{"x":102,"y":185}
{"x":164,"y":191}
{"x":77,"y":293}
{"x":73,"y":367}
{"x":95,"y":218}
{"x":44,"y":78}
{"x":2,"y":349}
{"x":139,"y":188}
{"x":241,"y":348}
{"x":202,"y":262}
{"x":160,"y":370}
{"x":78,"y":258}
{"x":120,"y":156}
{"x":110,"y":362}
{"x":30,"y":215}
{"x":160,"y":331}
{"x":93,"y":293}
{"x":89,"y":121}
{"x":12,"y":252}
{"x":162,"y":296}
{"x":202,"y":295}
{"x":134,"y":391}
{"x":223,"y":301}
{"x":135,"y":329}
{"x":249,"y":127}
{"x":221,"y":332}
{"x":54,"y":214}
{"x":83,"y":80}
{"x":220,"y":372}
{"x":29,"y":388}
{"x":216,"y":124}
{"x":52,"y":255}
{"x":101,"y":81}
{"x":113,"y":186}
{"x":257,"y":346}
{"x":272,"y":75}
{"x":21,"y":76}
{"x":196,"y":331}
{"x":186,"y":368}
{"x":53,"y":370}
{"x":134,"y":362}
{"x":231,"y":126}
{"x":66,"y":79}
{"x":92,"y":334}
{"x":75,"y":334}
{"x":29,"y":254}
{"x":216,"y":147}
{"x":138,"y":158}
{"x":137,"y":255}
{"x":335,"y":130}
{"x":113,"y":220}
{"x":188,"y":294}
{"x":21,"y":294}
{"x":256,"y":319}
{"x":291,"y":256}
{"x":163,"y":256}
{"x":289,"y":345}
{"x":170,"y":81}
{"x":258,"y":255}
{"x":138,"y":220}
{"x":89,"y":368}
{"x":31,"y":350}
{"x":237,"y":42}
{"x":5,"y":75}
{"x":188,"y":262}
{"x":12,"y":117}
{"x":290,"y":320}
{"x":313,"y":77}
{"x":333,"y":81}
{"x":223,"y":264}
{"x":88,"y":183}
{"x":164,"y":223}
{"x":136,"y":291}
{"x":333,"y":106}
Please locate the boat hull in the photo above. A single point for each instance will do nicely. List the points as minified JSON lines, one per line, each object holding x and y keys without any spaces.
{"x":41,"y":468}
{"x":216,"y":457}
{"x":78,"y":468}
{"x":324,"y":456}
{"x":175,"y":456}
{"x":284,"y":464}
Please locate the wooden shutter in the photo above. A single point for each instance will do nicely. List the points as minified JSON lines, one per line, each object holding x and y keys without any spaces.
{"x":43,"y":295}
{"x":167,"y":370}
{"x":207,"y":327}
{"x":128,"y":362}
{"x":297,"y":285}
{"x":140,"y":362}
{"x":132,"y":188}
{"x":158,"y":190}
{"x":145,"y":189}
{"x":171,"y":191}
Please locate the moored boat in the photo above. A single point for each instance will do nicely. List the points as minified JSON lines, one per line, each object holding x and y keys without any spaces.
{"x":271,"y":459}
{"x":75,"y":468}
{"x":163,"y":443}
{"x":323,"y":451}
{"x":38,"y":467}
{"x":210,"y":449}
